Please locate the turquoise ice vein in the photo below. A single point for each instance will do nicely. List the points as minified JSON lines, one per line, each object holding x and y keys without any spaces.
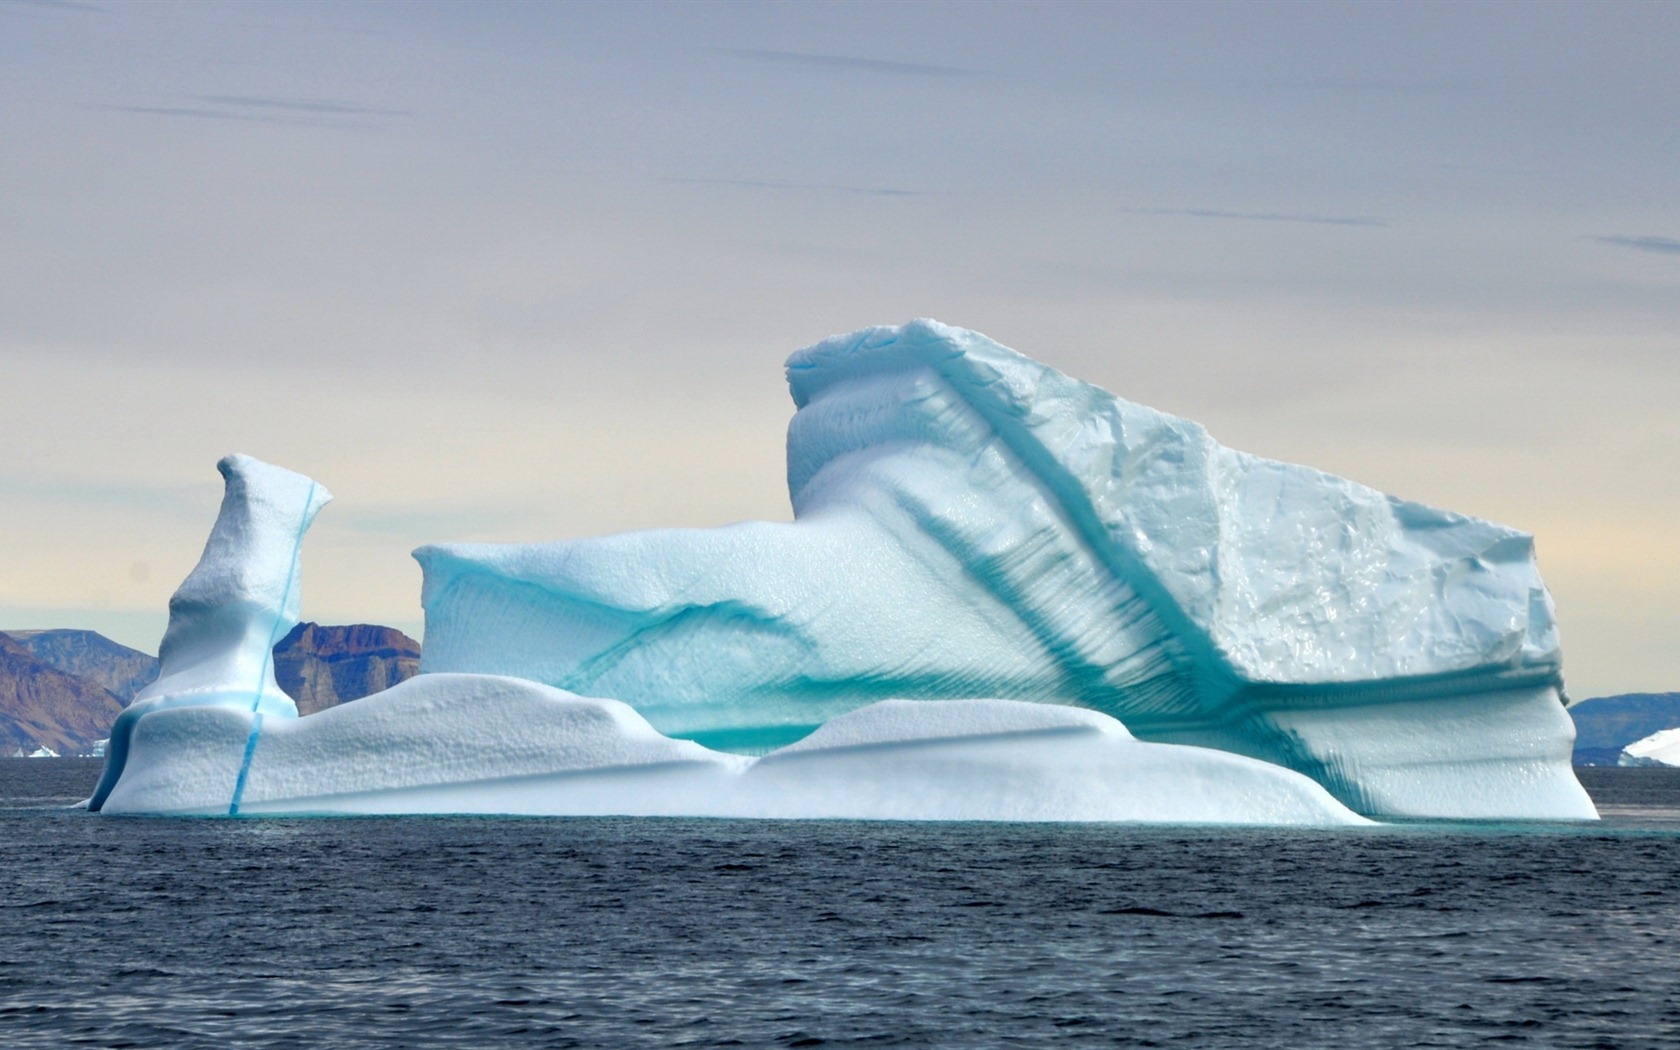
{"x":268,"y":655}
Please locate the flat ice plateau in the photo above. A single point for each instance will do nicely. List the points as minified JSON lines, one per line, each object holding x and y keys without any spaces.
{"x":991,"y":568}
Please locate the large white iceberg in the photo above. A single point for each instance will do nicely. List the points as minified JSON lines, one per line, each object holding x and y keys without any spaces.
{"x":970,"y":523}
{"x":991,"y":567}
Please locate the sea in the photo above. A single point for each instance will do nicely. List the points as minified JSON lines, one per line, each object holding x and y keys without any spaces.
{"x":474,"y":932}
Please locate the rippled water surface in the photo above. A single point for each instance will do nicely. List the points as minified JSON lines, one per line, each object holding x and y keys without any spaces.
{"x":475,"y":932}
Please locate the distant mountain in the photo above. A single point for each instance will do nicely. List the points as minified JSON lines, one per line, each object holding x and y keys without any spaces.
{"x":91,"y":655}
{"x":41,"y":706}
{"x":1604,"y":725}
{"x":63,"y":688}
{"x":320,"y":667}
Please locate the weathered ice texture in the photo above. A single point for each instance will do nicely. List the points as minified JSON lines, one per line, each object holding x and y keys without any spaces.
{"x":226,"y":617}
{"x":970,"y":523}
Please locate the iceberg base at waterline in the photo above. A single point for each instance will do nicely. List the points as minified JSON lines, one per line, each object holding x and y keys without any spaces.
{"x":464,"y":744}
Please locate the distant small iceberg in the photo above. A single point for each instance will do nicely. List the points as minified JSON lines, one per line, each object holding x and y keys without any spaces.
{"x":1660,"y":749}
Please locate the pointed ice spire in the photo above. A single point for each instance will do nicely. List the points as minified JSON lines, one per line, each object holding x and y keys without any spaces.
{"x":242,"y":597}
{"x":227,"y":615}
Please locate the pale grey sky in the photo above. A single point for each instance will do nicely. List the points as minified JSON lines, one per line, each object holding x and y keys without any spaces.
{"x":523,"y":271}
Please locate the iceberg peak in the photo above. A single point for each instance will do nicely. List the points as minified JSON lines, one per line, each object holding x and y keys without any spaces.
{"x":238,"y":601}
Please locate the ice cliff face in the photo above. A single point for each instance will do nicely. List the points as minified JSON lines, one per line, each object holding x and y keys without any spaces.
{"x":970,"y":523}
{"x":227,"y":615}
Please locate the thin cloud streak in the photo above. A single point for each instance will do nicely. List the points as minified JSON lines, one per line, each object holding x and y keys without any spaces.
{"x":300,"y":105}
{"x":102,"y":493}
{"x":1381,"y":87}
{"x":41,"y":7}
{"x":1658,"y":245}
{"x":1260,"y":216}
{"x":870,"y":191}
{"x":850,"y":63}
{"x":259,"y":109}
{"x":229,"y":115}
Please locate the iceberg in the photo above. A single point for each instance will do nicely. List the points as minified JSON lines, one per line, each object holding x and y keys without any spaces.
{"x":1005,"y":595}
{"x":240,"y":599}
{"x":1661,"y":749}
{"x":971,"y":523}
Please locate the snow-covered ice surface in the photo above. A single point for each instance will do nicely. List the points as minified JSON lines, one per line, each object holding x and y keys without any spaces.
{"x":1661,"y":748}
{"x":447,"y":743}
{"x":970,"y":523}
{"x":227,"y":615}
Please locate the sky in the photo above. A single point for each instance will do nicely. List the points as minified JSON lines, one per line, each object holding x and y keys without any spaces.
{"x":521,"y":272}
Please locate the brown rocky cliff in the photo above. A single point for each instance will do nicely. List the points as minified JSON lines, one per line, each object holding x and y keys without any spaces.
{"x":40,"y":705}
{"x":90,"y":655}
{"x":320,"y":667}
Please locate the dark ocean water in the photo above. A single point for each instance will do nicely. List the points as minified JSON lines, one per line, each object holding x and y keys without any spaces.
{"x":558,"y":933}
